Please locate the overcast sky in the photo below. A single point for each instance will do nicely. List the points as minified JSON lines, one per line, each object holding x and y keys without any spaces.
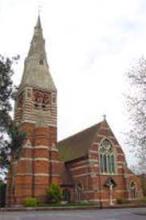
{"x":90,"y":46}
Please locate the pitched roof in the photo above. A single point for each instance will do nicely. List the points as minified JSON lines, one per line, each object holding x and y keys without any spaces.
{"x":76,"y":146}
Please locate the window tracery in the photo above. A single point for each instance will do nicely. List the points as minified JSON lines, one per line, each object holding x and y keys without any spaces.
{"x":107,"y":157}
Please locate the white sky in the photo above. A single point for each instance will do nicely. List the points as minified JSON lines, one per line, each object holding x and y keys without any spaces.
{"x":90,"y":46}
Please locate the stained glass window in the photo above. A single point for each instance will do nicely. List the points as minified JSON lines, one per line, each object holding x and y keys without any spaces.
{"x":107,"y":157}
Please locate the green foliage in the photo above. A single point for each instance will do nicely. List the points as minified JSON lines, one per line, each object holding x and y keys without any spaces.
{"x":143,"y":200}
{"x":30,"y":202}
{"x":2,"y":193}
{"x":122,"y":201}
{"x":17,"y":137}
{"x":6,"y":91}
{"x":11,"y":138}
{"x":54,"y":193}
{"x":11,"y":147}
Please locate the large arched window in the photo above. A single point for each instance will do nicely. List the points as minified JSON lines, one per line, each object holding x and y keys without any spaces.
{"x":106,"y":157}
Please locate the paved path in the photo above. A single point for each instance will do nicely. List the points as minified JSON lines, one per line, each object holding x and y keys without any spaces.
{"x":99,"y":214}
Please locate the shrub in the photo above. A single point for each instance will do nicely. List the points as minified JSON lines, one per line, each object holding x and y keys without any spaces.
{"x":30,"y":202}
{"x":119,"y":200}
{"x":84,"y":202}
{"x":54,"y":193}
{"x":144,"y":199}
{"x":141,"y":201}
{"x":122,"y":201}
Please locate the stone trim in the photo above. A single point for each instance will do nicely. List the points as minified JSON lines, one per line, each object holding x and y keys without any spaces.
{"x":34,"y":159}
{"x":119,"y":166}
{"x":120,"y":154}
{"x":93,"y":151}
{"x":120,"y":162}
{"x":27,"y":147}
{"x":46,"y":174}
{"x":95,"y":165}
{"x":41,"y":147}
{"x":109,"y":174}
{"x":41,"y":174}
{"x":41,"y":159}
{"x":55,"y":161}
{"x":79,"y":167}
{"x":80,"y":162}
{"x":53,"y":125}
{"x":25,"y":158}
{"x":85,"y":174}
{"x":36,"y":174}
{"x":53,"y":149}
{"x":28,"y":121}
{"x":24,"y":174}
{"x":83,"y":166}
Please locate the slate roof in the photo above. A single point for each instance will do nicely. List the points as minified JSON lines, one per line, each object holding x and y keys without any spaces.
{"x":76,"y":146}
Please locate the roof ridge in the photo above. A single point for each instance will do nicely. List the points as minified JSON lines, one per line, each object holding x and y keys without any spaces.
{"x":84,"y":130}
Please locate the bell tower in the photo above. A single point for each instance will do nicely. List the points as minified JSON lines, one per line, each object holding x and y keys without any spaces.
{"x":38,"y":164}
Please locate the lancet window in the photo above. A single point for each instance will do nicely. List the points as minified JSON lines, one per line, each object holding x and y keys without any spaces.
{"x":107,"y":157}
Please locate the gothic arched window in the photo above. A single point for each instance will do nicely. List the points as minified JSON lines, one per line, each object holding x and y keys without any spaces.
{"x":106,"y":157}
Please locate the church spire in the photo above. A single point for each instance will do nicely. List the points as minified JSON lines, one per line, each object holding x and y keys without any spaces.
{"x":38,"y":25}
{"x":36,"y":69}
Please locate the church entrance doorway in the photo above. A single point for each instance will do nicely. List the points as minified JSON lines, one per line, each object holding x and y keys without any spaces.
{"x":66,"y":195}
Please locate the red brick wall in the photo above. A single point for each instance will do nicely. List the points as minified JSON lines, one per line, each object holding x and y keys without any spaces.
{"x":37,"y":167}
{"x":87,"y":172}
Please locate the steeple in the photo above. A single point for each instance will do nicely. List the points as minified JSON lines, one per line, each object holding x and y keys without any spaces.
{"x":38,"y":165}
{"x":36,"y":70}
{"x":37,"y":89}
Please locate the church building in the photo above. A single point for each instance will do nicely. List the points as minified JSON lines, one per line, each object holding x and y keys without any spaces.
{"x":88,"y":166}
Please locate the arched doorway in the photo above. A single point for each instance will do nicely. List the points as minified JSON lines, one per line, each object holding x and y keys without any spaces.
{"x":66,"y":195}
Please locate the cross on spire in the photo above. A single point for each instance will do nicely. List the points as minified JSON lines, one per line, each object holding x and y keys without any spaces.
{"x":104,"y":117}
{"x":39,"y":9}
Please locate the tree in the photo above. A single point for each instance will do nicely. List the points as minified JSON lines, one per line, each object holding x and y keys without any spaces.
{"x":136,"y":101}
{"x":6,"y":90}
{"x":11,"y":137}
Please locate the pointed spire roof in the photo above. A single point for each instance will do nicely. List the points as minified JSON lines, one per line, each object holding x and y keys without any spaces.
{"x":36,"y":70}
{"x":38,"y":25}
